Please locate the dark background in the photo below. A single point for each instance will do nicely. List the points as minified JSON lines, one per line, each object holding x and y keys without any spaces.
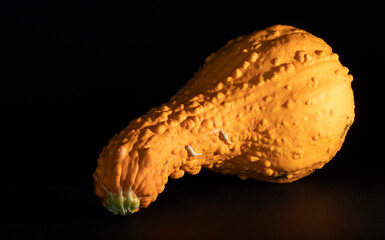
{"x":75,"y":73}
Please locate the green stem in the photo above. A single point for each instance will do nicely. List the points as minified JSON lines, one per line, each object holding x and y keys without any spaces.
{"x":122,"y":203}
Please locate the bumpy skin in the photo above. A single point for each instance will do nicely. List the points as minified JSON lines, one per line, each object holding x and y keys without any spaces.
{"x":273,"y":105}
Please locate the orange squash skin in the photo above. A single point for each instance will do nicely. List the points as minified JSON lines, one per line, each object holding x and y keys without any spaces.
{"x":273,"y":106}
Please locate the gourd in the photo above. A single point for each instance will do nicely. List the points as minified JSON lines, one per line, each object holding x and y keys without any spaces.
{"x":274,"y":106}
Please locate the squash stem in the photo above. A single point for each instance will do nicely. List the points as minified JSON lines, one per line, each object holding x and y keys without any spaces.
{"x":122,"y":203}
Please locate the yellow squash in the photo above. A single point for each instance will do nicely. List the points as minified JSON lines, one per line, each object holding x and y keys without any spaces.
{"x":273,"y":106}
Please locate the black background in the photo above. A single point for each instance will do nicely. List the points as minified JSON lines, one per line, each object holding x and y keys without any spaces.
{"x":75,"y":73}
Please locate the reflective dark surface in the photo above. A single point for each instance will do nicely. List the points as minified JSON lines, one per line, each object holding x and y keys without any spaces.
{"x":211,"y":206}
{"x":74,"y":74}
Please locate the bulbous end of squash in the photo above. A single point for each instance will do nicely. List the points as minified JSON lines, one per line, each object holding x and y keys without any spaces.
{"x":121,"y":203}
